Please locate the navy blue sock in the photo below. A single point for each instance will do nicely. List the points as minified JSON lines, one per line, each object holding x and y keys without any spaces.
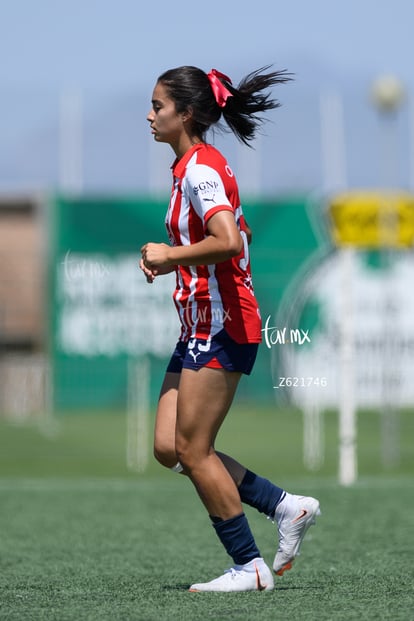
{"x":260,"y":493}
{"x":237,"y":538}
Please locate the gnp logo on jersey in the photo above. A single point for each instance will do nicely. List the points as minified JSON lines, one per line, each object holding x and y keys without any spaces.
{"x":207,"y":190}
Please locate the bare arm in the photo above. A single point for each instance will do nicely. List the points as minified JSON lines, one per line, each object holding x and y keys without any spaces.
{"x":222,"y":242}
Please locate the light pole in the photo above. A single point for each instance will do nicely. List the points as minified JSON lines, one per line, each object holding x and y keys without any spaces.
{"x":387,"y":95}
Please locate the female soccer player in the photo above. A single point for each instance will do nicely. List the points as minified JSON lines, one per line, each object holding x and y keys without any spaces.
{"x":220,"y":319}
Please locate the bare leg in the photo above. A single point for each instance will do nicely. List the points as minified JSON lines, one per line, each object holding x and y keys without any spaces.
{"x":165,"y":422}
{"x":164,"y":435}
{"x":204,"y":398}
{"x":219,"y":483}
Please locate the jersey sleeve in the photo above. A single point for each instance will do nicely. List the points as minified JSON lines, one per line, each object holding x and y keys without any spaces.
{"x":206,"y":191}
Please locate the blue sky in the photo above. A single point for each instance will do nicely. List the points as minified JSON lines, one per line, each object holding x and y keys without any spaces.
{"x":129,"y":42}
{"x":110,"y":48}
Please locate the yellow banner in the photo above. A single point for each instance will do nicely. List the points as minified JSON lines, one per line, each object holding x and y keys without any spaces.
{"x":372,"y":219}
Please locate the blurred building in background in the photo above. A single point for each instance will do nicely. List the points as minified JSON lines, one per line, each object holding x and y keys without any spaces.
{"x":23,"y":304}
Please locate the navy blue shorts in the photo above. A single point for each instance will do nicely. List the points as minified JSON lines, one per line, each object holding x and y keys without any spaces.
{"x":221,"y":352}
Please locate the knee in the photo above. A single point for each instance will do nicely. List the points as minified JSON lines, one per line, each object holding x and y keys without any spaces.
{"x":183,"y":459}
{"x":165,"y":454}
{"x":189,"y":455}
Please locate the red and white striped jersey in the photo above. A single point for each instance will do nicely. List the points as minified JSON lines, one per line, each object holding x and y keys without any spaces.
{"x":209,"y":298}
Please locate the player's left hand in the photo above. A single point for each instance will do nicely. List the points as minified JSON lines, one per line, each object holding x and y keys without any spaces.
{"x":155,"y":255}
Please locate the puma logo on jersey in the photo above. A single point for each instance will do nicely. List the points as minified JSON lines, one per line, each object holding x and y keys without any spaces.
{"x":210,"y":200}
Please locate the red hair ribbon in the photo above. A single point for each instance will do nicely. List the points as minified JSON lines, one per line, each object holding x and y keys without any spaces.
{"x":221,"y":93}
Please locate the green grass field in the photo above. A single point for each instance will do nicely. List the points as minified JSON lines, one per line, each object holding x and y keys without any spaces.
{"x":81,"y":538}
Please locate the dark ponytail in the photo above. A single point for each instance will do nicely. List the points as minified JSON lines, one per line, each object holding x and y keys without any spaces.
{"x":242,"y":111}
{"x":190,"y":88}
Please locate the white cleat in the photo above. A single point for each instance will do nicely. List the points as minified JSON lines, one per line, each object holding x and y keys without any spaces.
{"x":294,"y":515}
{"x":254,"y":576}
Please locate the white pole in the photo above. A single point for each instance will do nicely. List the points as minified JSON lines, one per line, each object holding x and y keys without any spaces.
{"x":313,"y":437}
{"x":138,"y":414}
{"x":70,"y":142}
{"x":334,"y":168}
{"x":347,"y":410}
{"x":48,"y":422}
{"x":388,"y":94}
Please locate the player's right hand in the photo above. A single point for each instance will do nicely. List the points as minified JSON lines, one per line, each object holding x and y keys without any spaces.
{"x":149,"y":274}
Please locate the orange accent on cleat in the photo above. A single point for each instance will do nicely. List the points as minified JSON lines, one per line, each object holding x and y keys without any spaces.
{"x":284,"y":568}
{"x":301,"y":515}
{"x":260,"y":586}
